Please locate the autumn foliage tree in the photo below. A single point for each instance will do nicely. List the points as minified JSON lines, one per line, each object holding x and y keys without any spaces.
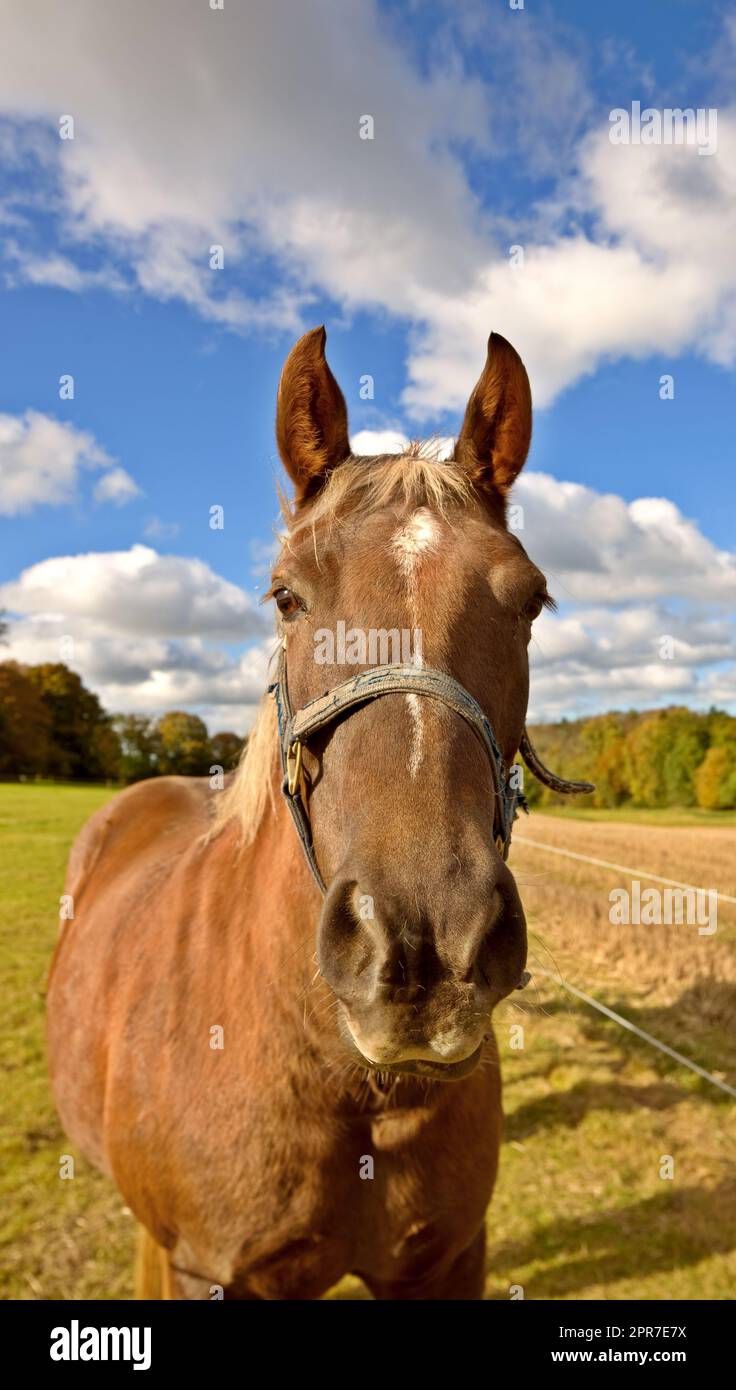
{"x":176,"y":743}
{"x":184,"y":744}
{"x":226,"y":750}
{"x":670,"y":757}
{"x":715,"y":779}
{"x":83,"y":742}
{"x":25,"y":724}
{"x":51,"y":725}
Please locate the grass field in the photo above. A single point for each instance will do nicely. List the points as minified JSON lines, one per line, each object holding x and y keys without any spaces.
{"x":580,"y":1210}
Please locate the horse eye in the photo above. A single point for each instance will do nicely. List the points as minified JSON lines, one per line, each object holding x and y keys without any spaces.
{"x":287,"y":602}
{"x":533,"y":608}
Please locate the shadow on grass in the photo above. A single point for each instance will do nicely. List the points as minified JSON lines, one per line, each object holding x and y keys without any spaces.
{"x":567,"y":1109}
{"x":672,"y":1230}
{"x":669,"y":1231}
{"x":701,"y":1024}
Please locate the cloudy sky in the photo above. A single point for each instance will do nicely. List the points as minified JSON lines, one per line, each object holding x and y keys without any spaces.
{"x":240,"y":127}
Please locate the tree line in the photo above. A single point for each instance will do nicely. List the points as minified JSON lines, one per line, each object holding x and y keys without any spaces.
{"x":52,"y":726}
{"x":669,"y":757}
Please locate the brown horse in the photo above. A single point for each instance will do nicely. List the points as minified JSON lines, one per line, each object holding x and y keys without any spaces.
{"x":287,"y":1086}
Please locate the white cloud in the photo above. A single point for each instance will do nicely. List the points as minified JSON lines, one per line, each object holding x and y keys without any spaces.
{"x":719,"y":688}
{"x":149,"y":675}
{"x":136,"y":592}
{"x":116,"y":486}
{"x":185,"y":677}
{"x":262,"y":559}
{"x":371,"y":442}
{"x":596,"y":547}
{"x":652,"y":276}
{"x":147,"y":632}
{"x":646,"y":603}
{"x":269,"y":164}
{"x":41,"y":459}
{"x":273,"y":166}
{"x":57,"y":271}
{"x":604,"y":658}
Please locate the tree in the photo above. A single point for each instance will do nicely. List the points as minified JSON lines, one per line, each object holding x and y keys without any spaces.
{"x":226,"y":749}
{"x":609,"y":774}
{"x":25,"y":724}
{"x":140,"y":747}
{"x":83,"y":742}
{"x":687,"y":739}
{"x":603,"y":759}
{"x":185,"y":744}
{"x":715,"y":779}
{"x":646,"y":746}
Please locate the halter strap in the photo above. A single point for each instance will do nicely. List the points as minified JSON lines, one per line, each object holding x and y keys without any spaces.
{"x":296,"y":728}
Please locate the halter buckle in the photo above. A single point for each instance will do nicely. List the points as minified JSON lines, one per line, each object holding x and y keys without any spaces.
{"x":294,"y":766}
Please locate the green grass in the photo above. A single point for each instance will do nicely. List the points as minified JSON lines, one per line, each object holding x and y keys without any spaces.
{"x":641,"y":815}
{"x":580,"y":1209}
{"x":58,"y":1238}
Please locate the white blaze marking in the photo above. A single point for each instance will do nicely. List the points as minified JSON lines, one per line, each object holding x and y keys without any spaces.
{"x":419,"y":534}
{"x":417,"y":747}
{"x":412,"y":541}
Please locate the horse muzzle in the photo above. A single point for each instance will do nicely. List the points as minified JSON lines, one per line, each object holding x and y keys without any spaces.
{"x":437,"y":1059}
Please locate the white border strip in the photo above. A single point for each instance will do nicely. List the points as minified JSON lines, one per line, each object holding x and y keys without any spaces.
{"x":626,"y":1023}
{"x":620,"y":868}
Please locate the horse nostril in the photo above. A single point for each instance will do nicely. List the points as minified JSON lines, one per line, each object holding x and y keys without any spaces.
{"x":351,"y":940}
{"x":500,"y":955}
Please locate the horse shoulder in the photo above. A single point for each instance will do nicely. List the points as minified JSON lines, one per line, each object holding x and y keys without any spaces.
{"x":139,"y":822}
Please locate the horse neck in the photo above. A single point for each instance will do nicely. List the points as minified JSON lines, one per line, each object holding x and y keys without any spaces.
{"x":284,"y":909}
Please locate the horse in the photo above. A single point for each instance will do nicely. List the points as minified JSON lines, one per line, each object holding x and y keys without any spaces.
{"x":270,"y":1014}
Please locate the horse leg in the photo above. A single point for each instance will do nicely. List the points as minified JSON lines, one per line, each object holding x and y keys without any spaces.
{"x":464,"y":1279}
{"x":152,"y":1269}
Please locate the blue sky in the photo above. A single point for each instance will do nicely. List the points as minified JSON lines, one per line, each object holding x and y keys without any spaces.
{"x":240,"y":128}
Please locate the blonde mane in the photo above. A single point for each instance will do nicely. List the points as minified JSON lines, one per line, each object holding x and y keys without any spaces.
{"x":416,"y":477}
{"x":250,"y":792}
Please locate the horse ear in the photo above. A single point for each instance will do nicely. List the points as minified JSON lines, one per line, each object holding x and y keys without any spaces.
{"x":311,"y":416}
{"x":494,"y":440}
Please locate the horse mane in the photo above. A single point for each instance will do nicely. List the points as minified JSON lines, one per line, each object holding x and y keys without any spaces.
{"x":416,"y":477}
{"x":249,"y":794}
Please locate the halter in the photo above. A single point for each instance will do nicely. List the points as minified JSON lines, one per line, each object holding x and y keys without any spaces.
{"x":296,"y":729}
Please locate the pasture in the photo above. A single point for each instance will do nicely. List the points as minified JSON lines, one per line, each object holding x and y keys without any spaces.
{"x":580,"y":1210}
